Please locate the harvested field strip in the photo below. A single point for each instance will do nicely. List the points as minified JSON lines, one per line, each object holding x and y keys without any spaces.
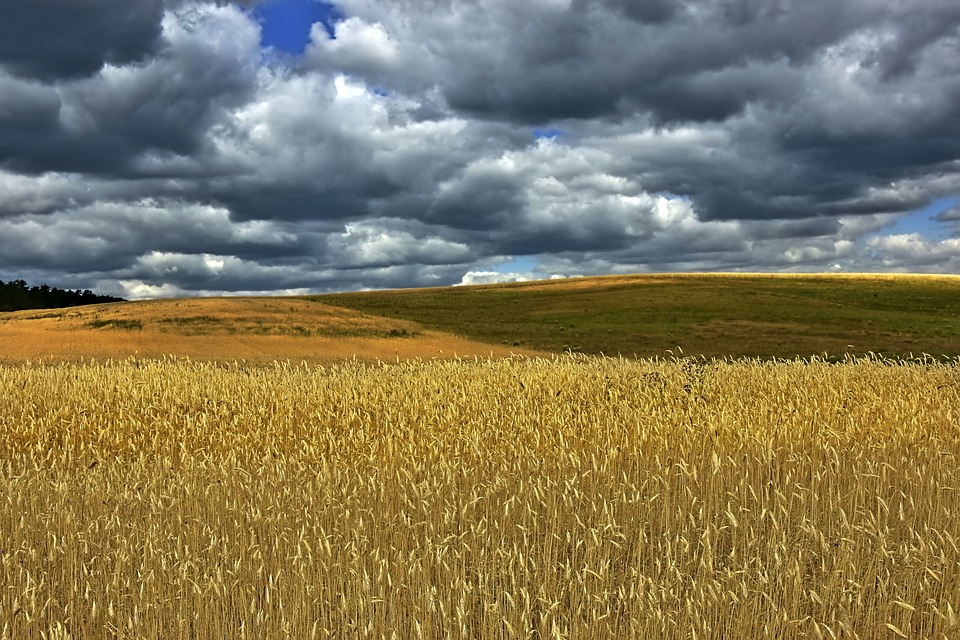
{"x":253,"y":329}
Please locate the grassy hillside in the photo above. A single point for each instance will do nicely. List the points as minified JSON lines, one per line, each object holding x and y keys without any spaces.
{"x":713,"y":315}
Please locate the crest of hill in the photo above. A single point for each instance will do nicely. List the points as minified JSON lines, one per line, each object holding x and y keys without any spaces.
{"x":714,"y":315}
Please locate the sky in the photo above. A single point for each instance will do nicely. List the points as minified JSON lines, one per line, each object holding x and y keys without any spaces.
{"x":157,"y":148}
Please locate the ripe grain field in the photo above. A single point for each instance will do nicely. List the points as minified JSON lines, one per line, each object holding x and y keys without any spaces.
{"x":574,"y":497}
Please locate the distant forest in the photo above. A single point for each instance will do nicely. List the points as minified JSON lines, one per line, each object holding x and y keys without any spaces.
{"x":16,"y":295}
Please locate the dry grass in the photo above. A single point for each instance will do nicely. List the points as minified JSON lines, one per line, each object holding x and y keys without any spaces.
{"x":569,"y":498}
{"x":253,"y":329}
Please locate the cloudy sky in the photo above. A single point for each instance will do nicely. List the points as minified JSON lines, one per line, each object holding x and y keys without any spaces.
{"x":185,"y":147}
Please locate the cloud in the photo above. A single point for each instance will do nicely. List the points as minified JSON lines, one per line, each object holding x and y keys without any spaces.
{"x":544,"y":60}
{"x":54,"y":39}
{"x":950,"y":215}
{"x":130,"y":118}
{"x":109,"y":235}
{"x":903,"y":252}
{"x":493,"y":277}
{"x":370,"y":244}
{"x":165,"y":152}
{"x":357,"y":47}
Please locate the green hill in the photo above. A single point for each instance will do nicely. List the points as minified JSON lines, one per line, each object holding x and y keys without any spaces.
{"x":714,"y":315}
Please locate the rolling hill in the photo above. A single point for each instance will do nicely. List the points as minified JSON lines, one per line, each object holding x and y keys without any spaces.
{"x":714,"y":315}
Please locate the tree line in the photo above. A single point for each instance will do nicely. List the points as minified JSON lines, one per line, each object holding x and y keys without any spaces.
{"x":16,"y":295}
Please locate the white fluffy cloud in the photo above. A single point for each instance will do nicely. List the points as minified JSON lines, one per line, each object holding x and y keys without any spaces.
{"x":904,"y":251}
{"x":493,"y":277}
{"x":356,"y":47}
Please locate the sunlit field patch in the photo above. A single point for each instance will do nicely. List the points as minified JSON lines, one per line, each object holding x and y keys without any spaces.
{"x":572,"y":497}
{"x":216,"y":329}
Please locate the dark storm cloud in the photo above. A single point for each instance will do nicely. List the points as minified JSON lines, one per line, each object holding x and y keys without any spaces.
{"x":293,"y":203}
{"x":541,"y":61}
{"x":652,"y":11}
{"x":55,"y":39}
{"x":29,"y":112}
{"x":480,"y":199}
{"x":920,"y":29}
{"x":109,"y":236}
{"x":107,"y":122}
{"x":950,"y":215}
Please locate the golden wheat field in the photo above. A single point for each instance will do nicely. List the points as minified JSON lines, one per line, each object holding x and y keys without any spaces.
{"x":516,"y":498}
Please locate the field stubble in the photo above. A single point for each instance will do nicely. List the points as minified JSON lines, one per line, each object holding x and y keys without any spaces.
{"x":573,"y":498}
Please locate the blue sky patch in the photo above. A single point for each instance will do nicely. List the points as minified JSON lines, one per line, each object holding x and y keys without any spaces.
{"x":519,"y":264}
{"x":923,"y":221}
{"x":549,"y":133}
{"x":285,"y":24}
{"x":673,"y":196}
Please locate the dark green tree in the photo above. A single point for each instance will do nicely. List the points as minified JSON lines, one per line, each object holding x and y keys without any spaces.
{"x":16,"y":295}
